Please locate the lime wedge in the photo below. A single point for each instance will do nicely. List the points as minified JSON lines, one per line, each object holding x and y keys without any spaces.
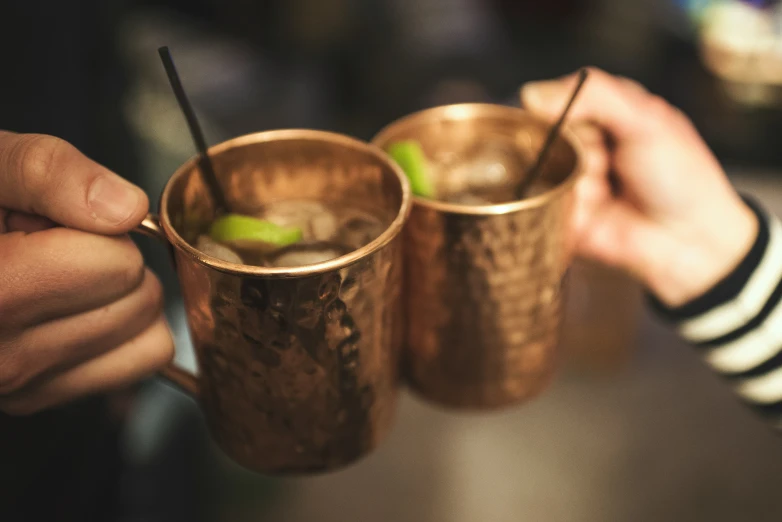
{"x":236,"y":227}
{"x":410,"y":156}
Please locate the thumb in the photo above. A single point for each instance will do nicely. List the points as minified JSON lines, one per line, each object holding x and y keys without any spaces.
{"x":48,"y":177}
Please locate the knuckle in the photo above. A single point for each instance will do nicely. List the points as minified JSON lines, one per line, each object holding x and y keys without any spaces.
{"x":617,"y":85}
{"x":658,"y":109}
{"x":36,"y":158}
{"x":633,"y":86}
{"x":598,"y":75}
{"x":596,"y":71}
{"x":609,"y":85}
{"x":680,"y":117}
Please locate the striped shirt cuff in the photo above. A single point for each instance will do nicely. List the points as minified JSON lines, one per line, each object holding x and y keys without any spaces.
{"x":737,"y":325}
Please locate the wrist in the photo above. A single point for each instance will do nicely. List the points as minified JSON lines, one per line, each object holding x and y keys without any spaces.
{"x":702,"y":256}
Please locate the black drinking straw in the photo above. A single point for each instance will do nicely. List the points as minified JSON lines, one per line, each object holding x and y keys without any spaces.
{"x":534,"y":173}
{"x":207,"y":170}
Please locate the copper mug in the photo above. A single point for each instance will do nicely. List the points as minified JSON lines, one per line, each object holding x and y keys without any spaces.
{"x":484,"y":284}
{"x":298,"y":367}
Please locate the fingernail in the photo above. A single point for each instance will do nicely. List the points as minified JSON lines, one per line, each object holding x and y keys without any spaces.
{"x":113,"y":199}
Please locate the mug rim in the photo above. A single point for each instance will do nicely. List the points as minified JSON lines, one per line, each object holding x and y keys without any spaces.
{"x":389,"y":234}
{"x":469,"y":111}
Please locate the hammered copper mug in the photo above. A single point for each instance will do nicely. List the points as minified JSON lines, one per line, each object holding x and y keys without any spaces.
{"x":298,"y":367}
{"x":484,"y":284}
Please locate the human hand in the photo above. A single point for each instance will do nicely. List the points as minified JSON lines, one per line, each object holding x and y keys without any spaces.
{"x":79,"y":312}
{"x":654,"y":201}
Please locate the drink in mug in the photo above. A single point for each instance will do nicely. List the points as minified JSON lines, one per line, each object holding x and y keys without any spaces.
{"x":293,"y":300}
{"x":485,"y":272}
{"x":289,"y":233}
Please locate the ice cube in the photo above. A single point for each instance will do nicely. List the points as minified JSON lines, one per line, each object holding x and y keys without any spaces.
{"x":358,"y":229}
{"x":490,"y":166}
{"x":315,"y":220}
{"x":323,"y":226}
{"x":212,"y":248}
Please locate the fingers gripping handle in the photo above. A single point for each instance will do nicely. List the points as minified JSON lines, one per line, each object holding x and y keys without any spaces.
{"x":179,"y":377}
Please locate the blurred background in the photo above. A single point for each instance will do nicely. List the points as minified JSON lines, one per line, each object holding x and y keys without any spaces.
{"x":635,"y":427}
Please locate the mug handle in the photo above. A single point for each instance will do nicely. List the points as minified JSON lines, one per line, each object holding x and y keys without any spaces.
{"x":179,"y":377}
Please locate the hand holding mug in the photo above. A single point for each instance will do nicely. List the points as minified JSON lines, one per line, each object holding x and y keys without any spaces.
{"x":79,"y":312}
{"x":673,"y":219}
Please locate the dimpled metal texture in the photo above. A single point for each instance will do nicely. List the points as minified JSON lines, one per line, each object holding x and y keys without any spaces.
{"x":298,"y":367}
{"x":485,"y":285}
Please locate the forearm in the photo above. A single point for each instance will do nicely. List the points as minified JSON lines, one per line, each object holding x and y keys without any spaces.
{"x":737,"y":325}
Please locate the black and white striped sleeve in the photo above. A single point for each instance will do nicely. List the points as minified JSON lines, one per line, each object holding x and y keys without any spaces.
{"x":737,"y":325}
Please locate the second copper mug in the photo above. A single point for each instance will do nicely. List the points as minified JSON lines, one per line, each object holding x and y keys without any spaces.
{"x":298,"y":366}
{"x":484,"y":284}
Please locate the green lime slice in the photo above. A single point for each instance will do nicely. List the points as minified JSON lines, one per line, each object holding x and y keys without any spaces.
{"x":236,"y":227}
{"x":410,"y":156}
